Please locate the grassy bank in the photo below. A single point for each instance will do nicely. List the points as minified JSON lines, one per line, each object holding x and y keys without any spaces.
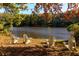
{"x":35,"y":48}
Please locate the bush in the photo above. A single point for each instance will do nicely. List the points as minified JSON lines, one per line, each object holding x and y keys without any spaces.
{"x":1,"y":27}
{"x":75,"y":29}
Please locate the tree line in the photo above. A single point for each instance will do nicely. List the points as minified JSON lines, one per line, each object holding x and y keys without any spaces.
{"x":52,"y":16}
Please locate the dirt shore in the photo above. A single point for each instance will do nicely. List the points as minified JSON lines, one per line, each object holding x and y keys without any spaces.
{"x":35,"y":48}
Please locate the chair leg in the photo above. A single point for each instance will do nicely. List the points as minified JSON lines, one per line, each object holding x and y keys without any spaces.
{"x":53,"y":45}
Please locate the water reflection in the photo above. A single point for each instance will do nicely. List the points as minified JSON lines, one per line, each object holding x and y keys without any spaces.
{"x":43,"y":32}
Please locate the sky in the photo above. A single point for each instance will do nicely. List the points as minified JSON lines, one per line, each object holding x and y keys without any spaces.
{"x":31,"y":7}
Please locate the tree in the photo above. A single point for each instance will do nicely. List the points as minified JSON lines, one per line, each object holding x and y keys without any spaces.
{"x":11,"y":14}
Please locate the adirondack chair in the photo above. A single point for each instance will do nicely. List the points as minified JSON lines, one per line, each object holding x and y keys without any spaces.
{"x":27,"y":39}
{"x":14,"y":39}
{"x":71,"y":43}
{"x":51,"y":41}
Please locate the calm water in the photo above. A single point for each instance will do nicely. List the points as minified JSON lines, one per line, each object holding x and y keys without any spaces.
{"x":43,"y":32}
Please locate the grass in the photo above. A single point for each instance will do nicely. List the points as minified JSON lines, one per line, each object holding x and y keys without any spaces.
{"x":35,"y":48}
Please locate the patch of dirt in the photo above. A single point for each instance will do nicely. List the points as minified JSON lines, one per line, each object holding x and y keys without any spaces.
{"x":34,"y":51}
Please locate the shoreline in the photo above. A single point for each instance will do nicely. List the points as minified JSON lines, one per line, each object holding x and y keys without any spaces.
{"x":35,"y":48}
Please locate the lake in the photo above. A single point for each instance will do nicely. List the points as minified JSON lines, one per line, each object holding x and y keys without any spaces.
{"x":42,"y":32}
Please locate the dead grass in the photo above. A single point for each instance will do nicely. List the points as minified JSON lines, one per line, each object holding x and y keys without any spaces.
{"x":4,"y":39}
{"x":32,"y":49}
{"x":7,"y":40}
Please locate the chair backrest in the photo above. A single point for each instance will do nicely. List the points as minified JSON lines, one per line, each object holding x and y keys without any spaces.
{"x":25,"y":36}
{"x":71,"y":42}
{"x":51,"y":41}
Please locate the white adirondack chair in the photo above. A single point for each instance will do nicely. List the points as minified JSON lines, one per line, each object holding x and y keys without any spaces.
{"x":27,"y":39}
{"x":51,"y":41}
{"x":71,"y":43}
{"x":15,"y":39}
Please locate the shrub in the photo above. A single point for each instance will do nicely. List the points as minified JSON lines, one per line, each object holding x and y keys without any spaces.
{"x":1,"y":27}
{"x":75,"y":29}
